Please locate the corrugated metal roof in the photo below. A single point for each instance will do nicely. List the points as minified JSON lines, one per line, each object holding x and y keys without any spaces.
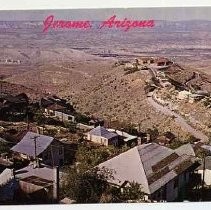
{"x":27,"y":145}
{"x":43,"y":172}
{"x":137,"y":165}
{"x":127,"y":167}
{"x":151,"y":155}
{"x":161,"y":182}
{"x":101,"y":131}
{"x":185,"y":149}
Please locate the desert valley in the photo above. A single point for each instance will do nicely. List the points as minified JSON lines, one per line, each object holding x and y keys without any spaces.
{"x":151,"y":86}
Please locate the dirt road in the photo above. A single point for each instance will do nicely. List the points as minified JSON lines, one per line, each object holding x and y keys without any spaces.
{"x":178,"y":119}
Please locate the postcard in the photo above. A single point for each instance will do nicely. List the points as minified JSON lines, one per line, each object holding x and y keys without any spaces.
{"x":105,"y":106}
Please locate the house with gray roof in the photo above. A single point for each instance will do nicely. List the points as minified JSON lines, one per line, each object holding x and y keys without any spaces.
{"x":35,"y":184}
{"x":101,"y":135}
{"x":60,"y":112}
{"x":205,"y":170}
{"x":161,"y":172}
{"x":46,"y":148}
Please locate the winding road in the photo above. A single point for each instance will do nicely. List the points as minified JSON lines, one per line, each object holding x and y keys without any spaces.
{"x":178,"y":119}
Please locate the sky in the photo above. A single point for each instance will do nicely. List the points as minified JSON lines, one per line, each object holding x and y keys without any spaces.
{"x":176,"y":13}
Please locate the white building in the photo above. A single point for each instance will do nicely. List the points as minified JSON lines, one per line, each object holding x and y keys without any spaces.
{"x":60,"y":112}
{"x":207,"y":172}
{"x":101,"y":135}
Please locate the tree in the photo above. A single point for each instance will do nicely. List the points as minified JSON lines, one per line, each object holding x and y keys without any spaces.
{"x":154,"y":133}
{"x":192,"y":139}
{"x":71,"y":126}
{"x":175,"y":144}
{"x":4,"y":148}
{"x":51,"y":132}
{"x":202,"y":153}
{"x":89,"y":157}
{"x":39,"y":117}
{"x":92,"y":186}
{"x":86,"y":187}
{"x":81,"y":118}
{"x":132,"y":191}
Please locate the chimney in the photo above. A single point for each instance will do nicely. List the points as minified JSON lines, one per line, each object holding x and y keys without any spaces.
{"x":56,"y":184}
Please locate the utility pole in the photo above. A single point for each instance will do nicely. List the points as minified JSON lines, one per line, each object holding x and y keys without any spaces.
{"x":55,"y":184}
{"x":35,"y":149}
{"x":203,"y":177}
{"x":27,"y":118}
{"x":52,"y":156}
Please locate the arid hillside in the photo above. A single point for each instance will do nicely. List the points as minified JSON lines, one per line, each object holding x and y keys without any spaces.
{"x":98,"y":88}
{"x":15,"y":89}
{"x":80,"y":66}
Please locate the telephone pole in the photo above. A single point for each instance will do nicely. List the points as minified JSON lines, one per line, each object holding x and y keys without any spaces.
{"x":203,"y":178}
{"x":35,"y":149}
{"x":27,"y":118}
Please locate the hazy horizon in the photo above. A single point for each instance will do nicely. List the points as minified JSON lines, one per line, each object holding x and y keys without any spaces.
{"x":170,"y":14}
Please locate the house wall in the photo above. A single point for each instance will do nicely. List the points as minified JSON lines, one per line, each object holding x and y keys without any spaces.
{"x":29,"y":187}
{"x":35,"y":192}
{"x":207,"y":176}
{"x":103,"y":141}
{"x":172,"y":189}
{"x":8,"y":190}
{"x":6,"y":176}
{"x":114,"y":141}
{"x":55,"y":152}
{"x":64,"y":117}
{"x":174,"y":186}
{"x":97,"y":139}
